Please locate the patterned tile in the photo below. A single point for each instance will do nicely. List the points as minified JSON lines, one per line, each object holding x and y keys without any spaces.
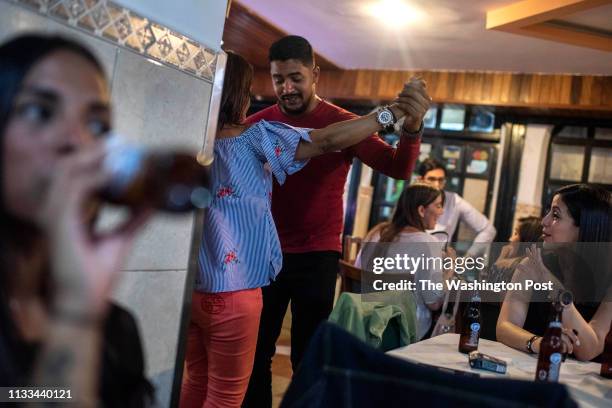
{"x":114,"y":23}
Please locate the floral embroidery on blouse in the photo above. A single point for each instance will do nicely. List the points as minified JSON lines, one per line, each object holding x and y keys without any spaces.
{"x":277,"y":148}
{"x":230,"y":258}
{"x":227,"y":191}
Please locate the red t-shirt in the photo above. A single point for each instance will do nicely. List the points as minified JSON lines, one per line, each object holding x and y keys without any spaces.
{"x":307,"y":209}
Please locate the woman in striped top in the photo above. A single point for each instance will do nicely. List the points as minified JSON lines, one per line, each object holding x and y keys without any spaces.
{"x":240,"y":249}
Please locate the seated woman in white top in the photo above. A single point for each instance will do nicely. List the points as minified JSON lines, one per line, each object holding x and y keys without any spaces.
{"x":417,"y":209}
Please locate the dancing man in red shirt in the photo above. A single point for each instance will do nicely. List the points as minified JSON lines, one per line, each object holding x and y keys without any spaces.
{"x":308,"y":208}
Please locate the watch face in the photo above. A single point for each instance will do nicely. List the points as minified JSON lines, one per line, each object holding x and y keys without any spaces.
{"x":385,"y":117}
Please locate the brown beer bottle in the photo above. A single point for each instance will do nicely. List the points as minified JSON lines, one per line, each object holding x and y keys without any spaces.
{"x":551,"y":347}
{"x":606,"y":365}
{"x":170,"y":181}
{"x":470,"y":331}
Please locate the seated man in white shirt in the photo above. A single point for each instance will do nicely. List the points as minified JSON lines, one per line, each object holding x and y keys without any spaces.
{"x":456,"y":209}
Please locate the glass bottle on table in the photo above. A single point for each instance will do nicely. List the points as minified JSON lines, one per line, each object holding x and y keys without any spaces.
{"x":551,"y":346}
{"x":470,"y":331}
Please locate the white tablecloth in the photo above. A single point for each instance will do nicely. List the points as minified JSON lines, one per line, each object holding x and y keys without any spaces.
{"x":585,"y":384}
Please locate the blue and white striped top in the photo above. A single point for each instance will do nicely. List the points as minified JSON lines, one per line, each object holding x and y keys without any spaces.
{"x":240,"y":246}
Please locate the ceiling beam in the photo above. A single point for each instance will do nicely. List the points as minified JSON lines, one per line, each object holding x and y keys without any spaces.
{"x":533,"y":18}
{"x":528,"y":12}
{"x":553,"y":32}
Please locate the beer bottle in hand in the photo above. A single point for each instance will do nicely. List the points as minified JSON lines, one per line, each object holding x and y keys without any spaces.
{"x":167,"y":180}
{"x":551,"y":347}
{"x":606,"y":364}
{"x":470,"y":332}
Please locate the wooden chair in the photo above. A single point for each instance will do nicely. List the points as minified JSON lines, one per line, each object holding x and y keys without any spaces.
{"x":350,"y":277}
{"x":351,"y":248}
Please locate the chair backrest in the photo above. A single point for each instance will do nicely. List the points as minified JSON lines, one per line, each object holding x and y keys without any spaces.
{"x":351,"y":248}
{"x":350,"y":277}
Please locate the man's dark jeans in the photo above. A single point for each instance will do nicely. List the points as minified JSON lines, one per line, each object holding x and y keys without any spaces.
{"x":309,"y":281}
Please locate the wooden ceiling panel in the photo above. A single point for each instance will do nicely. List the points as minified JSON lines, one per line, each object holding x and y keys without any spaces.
{"x":486,"y":88}
{"x":251,"y":36}
{"x":543,"y":19}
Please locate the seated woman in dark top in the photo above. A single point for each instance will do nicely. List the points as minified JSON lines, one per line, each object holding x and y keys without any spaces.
{"x":579,"y":213}
{"x":527,"y":231}
{"x":57,"y":328}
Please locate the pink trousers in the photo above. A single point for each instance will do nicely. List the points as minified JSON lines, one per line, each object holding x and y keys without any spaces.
{"x":221,"y":342}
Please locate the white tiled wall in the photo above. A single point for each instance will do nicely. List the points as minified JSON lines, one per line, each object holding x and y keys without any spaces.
{"x":159,"y":105}
{"x":152,"y":297}
{"x":14,"y":21}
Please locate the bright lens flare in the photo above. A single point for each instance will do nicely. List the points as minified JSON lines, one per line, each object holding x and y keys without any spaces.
{"x":394,"y":13}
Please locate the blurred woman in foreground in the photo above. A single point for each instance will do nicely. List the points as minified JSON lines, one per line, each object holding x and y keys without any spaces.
{"x":57,"y":328}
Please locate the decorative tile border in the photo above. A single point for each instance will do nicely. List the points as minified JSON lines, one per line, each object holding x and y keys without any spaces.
{"x":123,"y":27}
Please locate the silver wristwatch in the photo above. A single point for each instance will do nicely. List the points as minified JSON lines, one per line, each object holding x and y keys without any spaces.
{"x":385,"y":117}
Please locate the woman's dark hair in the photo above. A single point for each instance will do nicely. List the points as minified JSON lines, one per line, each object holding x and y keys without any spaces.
{"x":20,"y":54}
{"x":18,"y":239}
{"x":292,"y":47}
{"x":407,"y":210}
{"x":236,"y":90}
{"x":17,"y":57}
{"x":428,"y":165}
{"x":529,"y":229}
{"x":590,"y":207}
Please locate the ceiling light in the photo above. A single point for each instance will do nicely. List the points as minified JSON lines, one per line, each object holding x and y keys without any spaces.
{"x":394,"y":13}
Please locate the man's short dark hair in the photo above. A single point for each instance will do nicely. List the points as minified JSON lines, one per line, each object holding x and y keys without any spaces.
{"x":292,"y":47}
{"x":430,"y":164}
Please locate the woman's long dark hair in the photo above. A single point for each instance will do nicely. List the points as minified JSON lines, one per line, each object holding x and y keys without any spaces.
{"x":591,"y":209}
{"x":19,"y":240}
{"x":236,"y":90}
{"x":407,"y":210}
{"x":529,"y":231}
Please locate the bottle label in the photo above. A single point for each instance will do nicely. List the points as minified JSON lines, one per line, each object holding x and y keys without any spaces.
{"x":542,"y":374}
{"x":123,"y":161}
{"x":474,"y":329}
{"x":555,"y":367}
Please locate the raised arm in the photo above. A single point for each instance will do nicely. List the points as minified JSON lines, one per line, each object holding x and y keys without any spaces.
{"x":413,"y":102}
{"x":591,"y":335}
{"x":84,"y":266}
{"x":509,"y":329}
{"x":341,"y":135}
{"x":485,"y":231}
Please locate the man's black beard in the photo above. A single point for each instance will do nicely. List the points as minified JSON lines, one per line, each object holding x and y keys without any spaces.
{"x":297,"y":111}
